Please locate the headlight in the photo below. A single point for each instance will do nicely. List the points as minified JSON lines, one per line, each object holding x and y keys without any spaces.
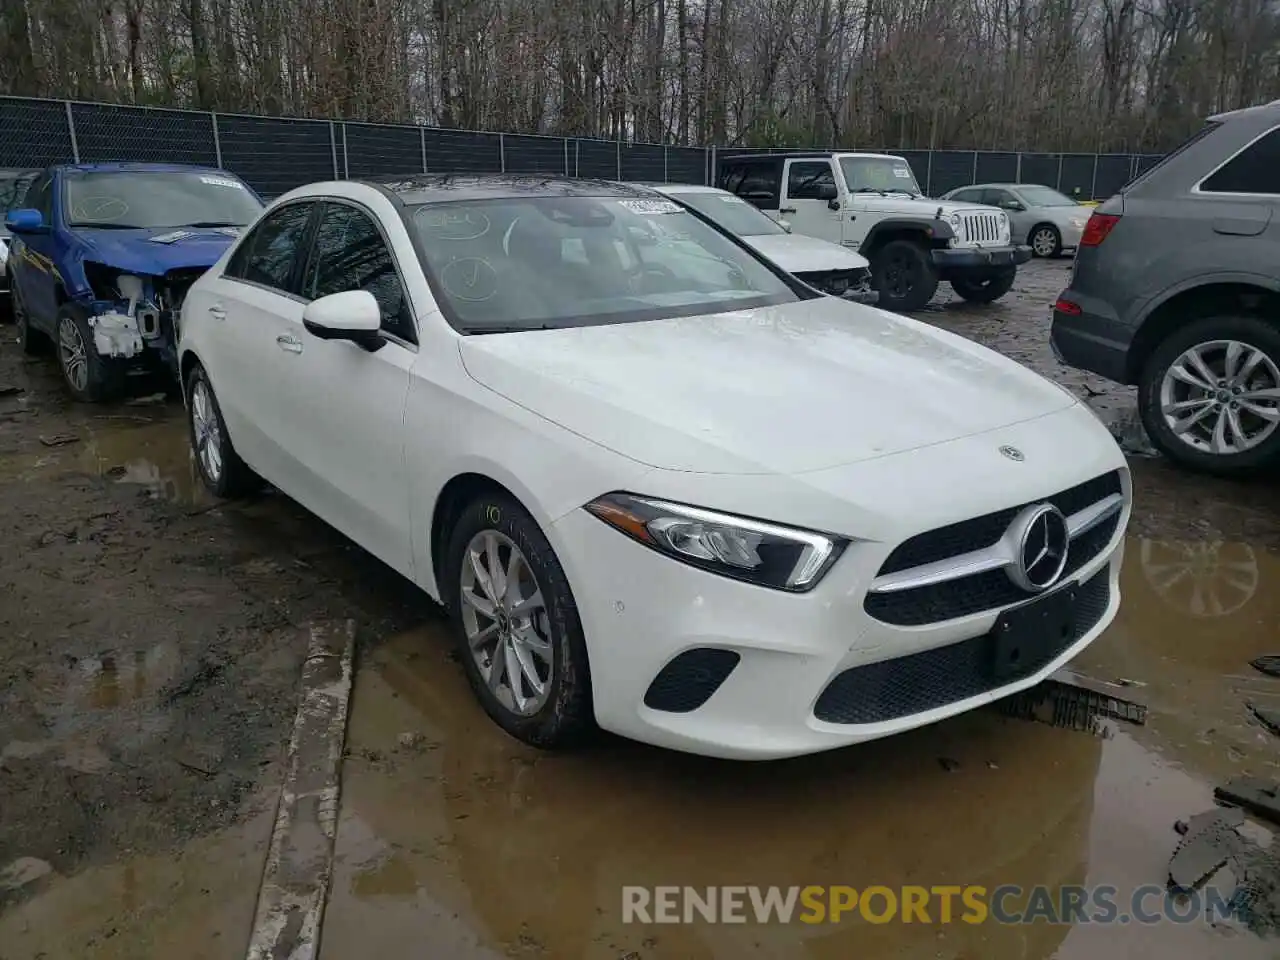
{"x":763,"y":553}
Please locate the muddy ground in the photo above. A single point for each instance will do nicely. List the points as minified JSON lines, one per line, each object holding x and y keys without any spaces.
{"x":150,"y":641}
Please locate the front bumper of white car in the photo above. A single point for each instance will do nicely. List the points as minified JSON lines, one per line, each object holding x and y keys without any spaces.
{"x":693,"y":661}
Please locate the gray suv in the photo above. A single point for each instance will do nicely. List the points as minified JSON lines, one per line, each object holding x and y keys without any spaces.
{"x":1176,"y":289}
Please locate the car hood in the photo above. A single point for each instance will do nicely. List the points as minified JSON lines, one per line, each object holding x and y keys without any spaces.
{"x":788,"y":389}
{"x":155,"y":252}
{"x":797,"y":254}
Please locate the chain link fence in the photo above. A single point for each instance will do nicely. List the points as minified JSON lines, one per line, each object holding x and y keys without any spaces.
{"x":275,"y":154}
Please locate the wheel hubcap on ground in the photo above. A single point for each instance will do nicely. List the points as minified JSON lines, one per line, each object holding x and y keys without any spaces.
{"x":71,"y":348}
{"x":1043,"y":242}
{"x":205,"y":431}
{"x":506,"y":623}
{"x":1222,"y":397}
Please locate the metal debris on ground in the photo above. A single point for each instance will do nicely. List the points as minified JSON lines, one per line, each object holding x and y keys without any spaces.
{"x":1259,"y":797}
{"x":146,"y":401}
{"x":1270,"y":665}
{"x":1267,"y":717}
{"x":1075,"y":702}
{"x":1211,"y":841}
{"x":59,"y":439}
{"x":9,"y":390}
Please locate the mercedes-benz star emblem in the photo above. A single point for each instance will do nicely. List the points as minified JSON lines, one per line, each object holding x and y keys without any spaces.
{"x":1013,"y":453}
{"x":1040,"y":538}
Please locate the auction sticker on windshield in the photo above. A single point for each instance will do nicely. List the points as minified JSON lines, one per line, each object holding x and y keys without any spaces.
{"x":651,"y":206}
{"x":901,"y":172}
{"x":222,"y":182}
{"x":733,"y":200}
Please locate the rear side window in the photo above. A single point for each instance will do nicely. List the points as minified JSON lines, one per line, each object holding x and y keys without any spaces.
{"x":758,"y":183}
{"x":272,"y":252}
{"x":1255,"y":169}
{"x":805,"y":180}
{"x":1196,"y":137}
{"x":967,"y":196}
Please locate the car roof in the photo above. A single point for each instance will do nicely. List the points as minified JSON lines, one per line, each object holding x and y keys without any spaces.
{"x":1262,"y":108}
{"x":444,"y":187}
{"x":129,"y":167}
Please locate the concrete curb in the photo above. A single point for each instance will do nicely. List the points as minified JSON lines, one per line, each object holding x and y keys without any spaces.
{"x":295,"y":882}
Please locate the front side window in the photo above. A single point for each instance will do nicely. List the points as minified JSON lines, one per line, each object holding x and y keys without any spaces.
{"x":1255,"y":170}
{"x":806,"y":180}
{"x":13,"y":190}
{"x":40,"y":197}
{"x":527,"y":263}
{"x":156,"y":200}
{"x":271,"y":254}
{"x":878,"y":175}
{"x":732,"y":213}
{"x":350,"y":254}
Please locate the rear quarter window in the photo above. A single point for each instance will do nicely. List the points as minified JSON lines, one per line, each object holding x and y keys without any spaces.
{"x":1254,"y":170}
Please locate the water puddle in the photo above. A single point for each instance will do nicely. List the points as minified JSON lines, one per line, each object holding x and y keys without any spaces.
{"x":150,"y":452}
{"x":195,"y":903}
{"x":454,"y":838}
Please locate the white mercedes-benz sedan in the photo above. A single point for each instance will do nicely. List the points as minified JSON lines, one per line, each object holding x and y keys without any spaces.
{"x":690,"y":500}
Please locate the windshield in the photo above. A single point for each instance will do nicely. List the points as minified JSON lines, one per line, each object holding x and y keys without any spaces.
{"x":520,"y":263}
{"x":1038,"y":196}
{"x":879,"y":175}
{"x":155,"y":200}
{"x":732,"y":213}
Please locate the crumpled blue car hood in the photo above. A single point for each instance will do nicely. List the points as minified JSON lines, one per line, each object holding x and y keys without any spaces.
{"x":158,"y":251}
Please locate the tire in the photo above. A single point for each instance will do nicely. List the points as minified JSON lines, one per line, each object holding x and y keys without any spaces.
{"x":1194,"y":447}
{"x":986,"y":289}
{"x":1045,"y":241}
{"x":89,"y":376}
{"x":904,"y":275}
{"x":33,"y":343}
{"x":562,"y":715}
{"x":222,"y":471}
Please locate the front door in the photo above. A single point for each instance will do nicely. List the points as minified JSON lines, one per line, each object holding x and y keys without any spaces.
{"x":35,"y":275}
{"x":349,"y":424}
{"x":802,"y":205}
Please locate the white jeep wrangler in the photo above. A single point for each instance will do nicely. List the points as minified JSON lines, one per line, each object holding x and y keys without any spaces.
{"x":871,"y":202}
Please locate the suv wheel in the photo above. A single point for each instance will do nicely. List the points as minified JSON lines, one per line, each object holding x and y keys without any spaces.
{"x":1210,"y":395}
{"x":985,"y":289}
{"x":91,"y":377}
{"x":904,"y":275}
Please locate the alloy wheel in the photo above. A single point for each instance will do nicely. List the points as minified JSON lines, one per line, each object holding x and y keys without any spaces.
{"x":1222,"y":397}
{"x":1044,"y":242}
{"x":898,"y":279}
{"x":506,"y":623}
{"x":72,"y":352}
{"x":205,"y":431}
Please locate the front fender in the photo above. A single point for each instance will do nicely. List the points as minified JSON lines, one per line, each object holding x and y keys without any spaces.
{"x":936,"y":230}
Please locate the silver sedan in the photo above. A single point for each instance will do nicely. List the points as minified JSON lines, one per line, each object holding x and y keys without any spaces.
{"x":1050,"y":221}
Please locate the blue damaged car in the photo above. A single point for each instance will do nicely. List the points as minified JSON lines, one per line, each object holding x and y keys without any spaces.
{"x":102,"y":255}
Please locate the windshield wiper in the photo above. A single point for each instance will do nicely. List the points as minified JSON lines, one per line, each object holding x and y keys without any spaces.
{"x":870,"y":190}
{"x":208,"y":223}
{"x":508,"y":328}
{"x":107,"y":225}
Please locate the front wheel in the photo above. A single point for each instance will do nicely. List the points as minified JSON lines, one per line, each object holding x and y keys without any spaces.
{"x":1045,"y":241}
{"x":519,"y":635}
{"x":1209,"y":395}
{"x":985,"y":289}
{"x":91,"y":377}
{"x":904,"y":275}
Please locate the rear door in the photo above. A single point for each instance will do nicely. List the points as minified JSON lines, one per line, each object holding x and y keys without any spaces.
{"x":802,"y":205}
{"x":252,"y":318}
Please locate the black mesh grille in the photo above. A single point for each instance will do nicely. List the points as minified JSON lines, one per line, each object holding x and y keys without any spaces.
{"x":923,"y":681}
{"x":689,"y":680}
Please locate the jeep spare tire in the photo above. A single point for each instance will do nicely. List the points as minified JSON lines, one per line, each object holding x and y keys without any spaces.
{"x":903,"y":273}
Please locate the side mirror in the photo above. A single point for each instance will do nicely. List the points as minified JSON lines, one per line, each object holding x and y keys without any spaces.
{"x":351,"y":315}
{"x":1014,"y":205}
{"x":827,"y":191}
{"x":25,"y":220}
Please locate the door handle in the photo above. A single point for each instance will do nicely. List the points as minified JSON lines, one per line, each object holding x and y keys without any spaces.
{"x":288,"y":343}
{"x":786,"y":209}
{"x":217,"y":312}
